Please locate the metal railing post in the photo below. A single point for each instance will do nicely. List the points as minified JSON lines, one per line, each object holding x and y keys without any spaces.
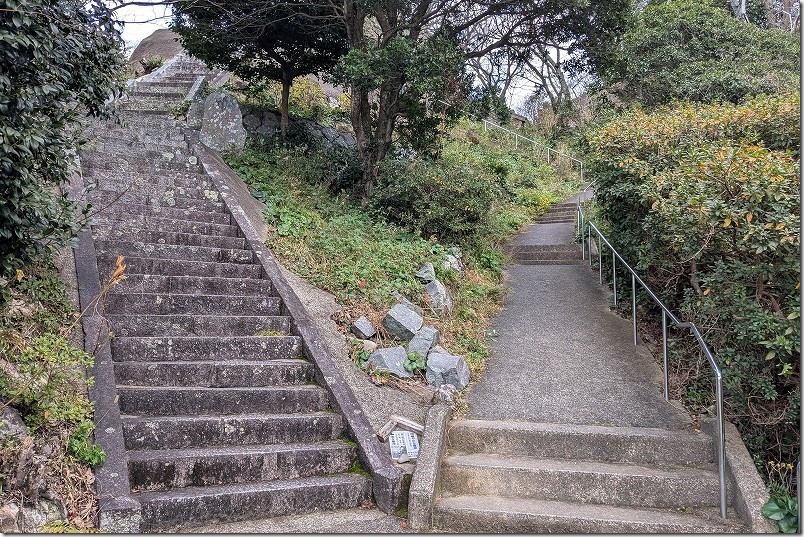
{"x":633,"y":305}
{"x":583,"y":238}
{"x":664,"y":356}
{"x":614,"y":274}
{"x":548,"y":155}
{"x":600,"y":257}
{"x":589,"y":238}
{"x":798,"y":491}
{"x":721,"y":433}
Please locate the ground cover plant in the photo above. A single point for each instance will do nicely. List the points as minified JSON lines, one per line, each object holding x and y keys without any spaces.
{"x":704,"y":199}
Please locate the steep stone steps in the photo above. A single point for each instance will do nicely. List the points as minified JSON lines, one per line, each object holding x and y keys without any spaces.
{"x":167,"y":304}
{"x":494,"y":514}
{"x":214,"y":374}
{"x":239,"y":429}
{"x":178,"y":508}
{"x":159,"y":348}
{"x":159,"y":470}
{"x":182,"y":401}
{"x":196,"y":325}
{"x":221,"y":415}
{"x":542,"y":477}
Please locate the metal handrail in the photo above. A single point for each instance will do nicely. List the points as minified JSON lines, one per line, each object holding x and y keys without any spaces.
{"x":585,"y":225}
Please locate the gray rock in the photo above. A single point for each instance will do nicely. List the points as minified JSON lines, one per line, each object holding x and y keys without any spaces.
{"x":454,"y":250}
{"x":423,"y":340}
{"x":426,"y":273}
{"x":11,"y":424}
{"x":42,"y":512}
{"x":222,"y":127}
{"x":407,"y":303}
{"x":438,"y":349}
{"x":368,"y":345}
{"x":10,"y":518}
{"x":251,"y":122}
{"x":195,"y":115}
{"x":447,"y":369}
{"x":363,"y":328}
{"x":452,"y":262}
{"x":390,"y":359}
{"x":446,"y":393}
{"x":439,"y":297}
{"x":402,"y":322}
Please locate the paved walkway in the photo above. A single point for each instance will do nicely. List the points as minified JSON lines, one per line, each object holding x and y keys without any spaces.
{"x":562,"y":356}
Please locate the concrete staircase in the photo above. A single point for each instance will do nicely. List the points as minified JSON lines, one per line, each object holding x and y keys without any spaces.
{"x":523,"y":477}
{"x":221,"y":417}
{"x":549,"y":254}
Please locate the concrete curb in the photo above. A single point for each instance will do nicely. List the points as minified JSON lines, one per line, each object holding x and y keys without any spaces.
{"x":747,"y":490}
{"x":387,"y":479}
{"x":118,"y":511}
{"x":424,"y":485}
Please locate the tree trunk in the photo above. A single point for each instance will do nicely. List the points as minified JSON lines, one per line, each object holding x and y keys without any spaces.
{"x":287,"y":81}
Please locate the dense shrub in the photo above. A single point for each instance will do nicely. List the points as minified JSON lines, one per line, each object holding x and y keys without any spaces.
{"x":696,"y":50}
{"x":58,"y":61}
{"x":705,"y":200}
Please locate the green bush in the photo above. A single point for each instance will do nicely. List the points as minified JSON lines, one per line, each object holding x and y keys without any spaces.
{"x":705,"y":201}
{"x":58,"y":61}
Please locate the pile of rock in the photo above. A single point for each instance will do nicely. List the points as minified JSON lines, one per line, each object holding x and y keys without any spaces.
{"x":404,"y":322}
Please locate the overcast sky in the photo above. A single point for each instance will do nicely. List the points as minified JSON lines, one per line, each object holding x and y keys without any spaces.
{"x":141,"y":21}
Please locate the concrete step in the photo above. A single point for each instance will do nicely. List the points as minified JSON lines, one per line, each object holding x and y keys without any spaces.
{"x":184,"y":239}
{"x":536,"y":252}
{"x":91,"y":162}
{"x":109,"y":145}
{"x":141,"y":104}
{"x":555,"y":220}
{"x":153,"y":189}
{"x":196,"y":325}
{"x":172,"y":469}
{"x":160,"y":85}
{"x":173,"y":136}
{"x":177,"y":509}
{"x":179,"y":432}
{"x":232,"y":373}
{"x":193,"y":285}
{"x":579,"y":481}
{"x":101,"y":197}
{"x":184,"y":401}
{"x":494,"y":514}
{"x":547,"y":261}
{"x":156,"y":349}
{"x":158,"y":93}
{"x":134,"y":224}
{"x":164,"y":304}
{"x":178,"y":267}
{"x":635,"y":445}
{"x":174,"y":251}
{"x":124,"y":210}
{"x":126,"y":112}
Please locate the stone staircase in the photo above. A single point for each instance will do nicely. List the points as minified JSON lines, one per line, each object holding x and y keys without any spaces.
{"x":221,"y":417}
{"x":526,"y":477}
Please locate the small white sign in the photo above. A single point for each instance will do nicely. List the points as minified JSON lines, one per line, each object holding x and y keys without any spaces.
{"x":404,"y":445}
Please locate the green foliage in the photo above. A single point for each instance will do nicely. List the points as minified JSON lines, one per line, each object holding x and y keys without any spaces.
{"x":151,"y":64}
{"x":414,"y":362}
{"x":58,"y":61}
{"x":784,"y":510}
{"x":691,"y":49}
{"x":306,"y":100}
{"x":82,"y":448}
{"x":705,"y":199}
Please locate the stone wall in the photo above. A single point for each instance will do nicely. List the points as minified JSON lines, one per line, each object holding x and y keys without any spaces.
{"x":261,"y":122}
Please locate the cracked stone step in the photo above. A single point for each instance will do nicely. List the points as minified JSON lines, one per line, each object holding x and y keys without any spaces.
{"x":494,"y":514}
{"x":179,"y":432}
{"x":178,"y":267}
{"x":174,"y":251}
{"x":636,"y":445}
{"x":140,"y":104}
{"x":181,"y":239}
{"x":131,"y":209}
{"x":135,"y":223}
{"x":193,"y":285}
{"x":154,"y":192}
{"x":106,"y":145}
{"x":158,"y":93}
{"x":142,"y":180}
{"x":156,"y":470}
{"x":232,"y":373}
{"x":164,"y":304}
{"x":180,"y":400}
{"x":166,"y":199}
{"x":125,"y":112}
{"x":197,"y":325}
{"x":90,"y":163}
{"x":177,"y":509}
{"x":154,"y":349}
{"x":579,"y":481}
